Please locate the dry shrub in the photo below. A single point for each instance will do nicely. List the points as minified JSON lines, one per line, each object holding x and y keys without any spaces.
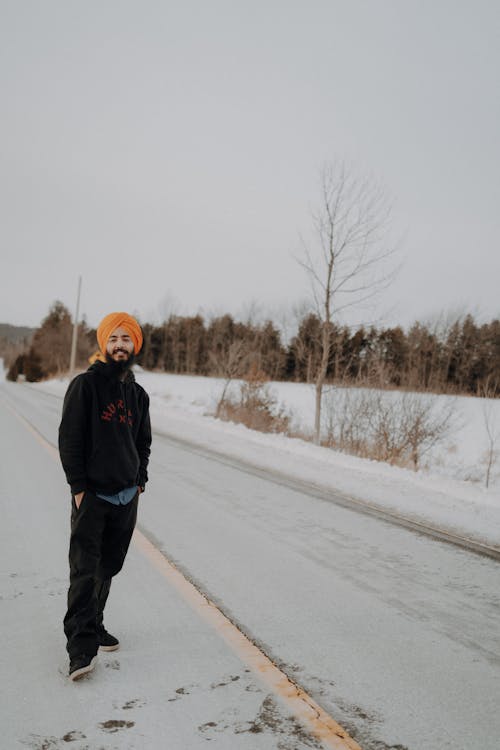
{"x":255,"y":406}
{"x":392,"y":427}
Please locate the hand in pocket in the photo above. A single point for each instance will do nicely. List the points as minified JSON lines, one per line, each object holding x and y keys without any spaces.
{"x":79,"y":498}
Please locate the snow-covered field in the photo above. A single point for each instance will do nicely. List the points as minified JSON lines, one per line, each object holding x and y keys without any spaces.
{"x":448,"y":493}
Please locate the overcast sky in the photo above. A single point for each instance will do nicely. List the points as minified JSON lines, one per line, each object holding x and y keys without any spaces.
{"x":169,"y":152}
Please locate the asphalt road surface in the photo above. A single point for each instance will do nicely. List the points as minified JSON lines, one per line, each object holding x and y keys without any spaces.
{"x":394,"y":634}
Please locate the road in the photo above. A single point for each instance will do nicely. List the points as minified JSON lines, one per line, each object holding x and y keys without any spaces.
{"x":394,"y":634}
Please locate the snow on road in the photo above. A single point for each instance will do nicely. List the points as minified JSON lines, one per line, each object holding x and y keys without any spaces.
{"x":173,"y":683}
{"x":393,"y":633}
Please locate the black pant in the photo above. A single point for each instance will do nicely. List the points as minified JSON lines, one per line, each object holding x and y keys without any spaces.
{"x":100,"y":537}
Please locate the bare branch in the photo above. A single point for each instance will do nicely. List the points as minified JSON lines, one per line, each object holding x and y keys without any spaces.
{"x":351,"y":226}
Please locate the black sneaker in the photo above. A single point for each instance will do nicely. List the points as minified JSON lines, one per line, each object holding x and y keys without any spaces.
{"x":80,"y":665}
{"x":107,"y":642}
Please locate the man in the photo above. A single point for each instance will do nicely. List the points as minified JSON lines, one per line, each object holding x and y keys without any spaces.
{"x":104,"y":444}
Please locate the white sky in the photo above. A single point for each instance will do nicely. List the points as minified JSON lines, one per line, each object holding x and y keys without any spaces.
{"x":169,"y":153}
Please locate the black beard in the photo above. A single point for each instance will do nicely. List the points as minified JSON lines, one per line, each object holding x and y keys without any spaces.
{"x":118,"y":369}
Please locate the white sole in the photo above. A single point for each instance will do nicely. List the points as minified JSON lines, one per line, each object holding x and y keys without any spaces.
{"x":83,"y":670}
{"x":109,"y":648}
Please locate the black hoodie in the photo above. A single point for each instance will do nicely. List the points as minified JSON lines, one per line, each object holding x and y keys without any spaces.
{"x":105,"y":431}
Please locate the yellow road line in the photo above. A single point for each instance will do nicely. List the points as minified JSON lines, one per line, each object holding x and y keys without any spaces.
{"x":304,"y":708}
{"x":317,"y":722}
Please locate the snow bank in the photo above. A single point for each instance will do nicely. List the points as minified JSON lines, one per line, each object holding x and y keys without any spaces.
{"x":439,"y":495}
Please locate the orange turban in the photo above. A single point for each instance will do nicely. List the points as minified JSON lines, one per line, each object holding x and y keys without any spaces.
{"x":119,"y":320}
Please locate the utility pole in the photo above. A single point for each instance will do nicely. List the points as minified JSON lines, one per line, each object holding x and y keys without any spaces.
{"x":75,"y":331}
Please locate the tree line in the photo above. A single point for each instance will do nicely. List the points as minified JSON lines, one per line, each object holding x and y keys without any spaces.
{"x":460,"y":357}
{"x":464,"y":357}
{"x":48,"y":352}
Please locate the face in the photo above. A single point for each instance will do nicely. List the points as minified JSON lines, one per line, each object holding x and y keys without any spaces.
{"x":119,"y":346}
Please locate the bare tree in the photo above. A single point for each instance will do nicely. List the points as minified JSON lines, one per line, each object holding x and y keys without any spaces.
{"x":228,"y":363}
{"x":492,"y":430}
{"x":350,"y":265}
